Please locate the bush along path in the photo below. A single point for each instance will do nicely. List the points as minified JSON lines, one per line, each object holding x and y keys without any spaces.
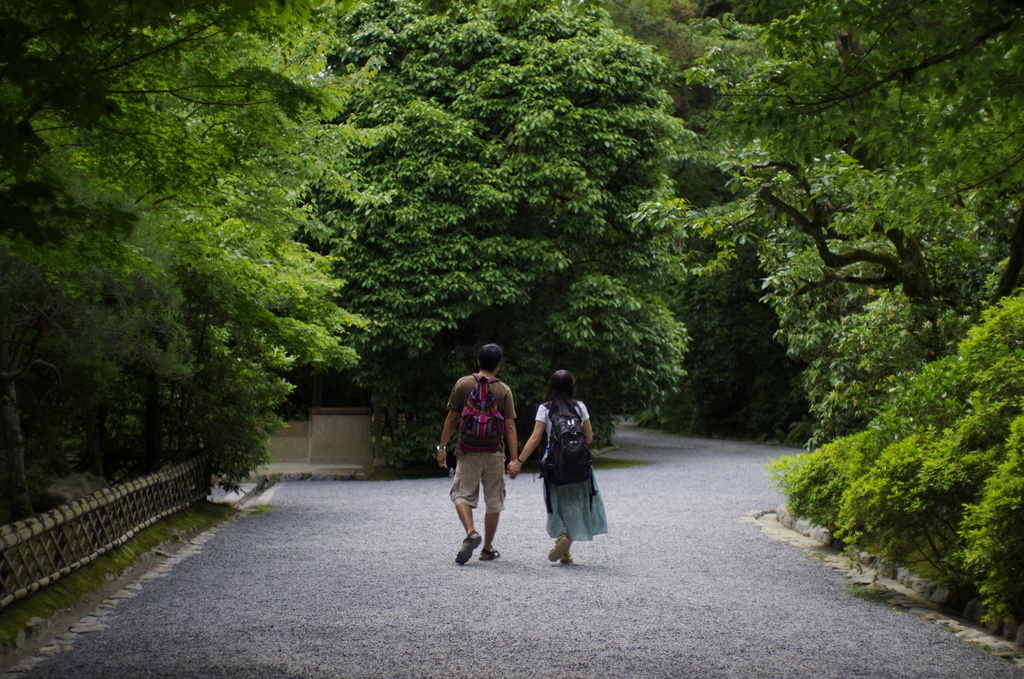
{"x":936,"y":479}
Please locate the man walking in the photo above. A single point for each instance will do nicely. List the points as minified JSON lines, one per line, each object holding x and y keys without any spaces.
{"x":482,"y":409}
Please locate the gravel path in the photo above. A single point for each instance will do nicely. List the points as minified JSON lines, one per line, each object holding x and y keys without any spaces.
{"x":357,"y":579}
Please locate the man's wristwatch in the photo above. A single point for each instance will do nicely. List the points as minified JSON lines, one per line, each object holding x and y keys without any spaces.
{"x":440,"y":448}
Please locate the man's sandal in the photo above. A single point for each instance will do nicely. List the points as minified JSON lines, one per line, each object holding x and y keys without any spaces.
{"x":566,"y":558}
{"x":489,"y":554}
{"x":471,"y":542}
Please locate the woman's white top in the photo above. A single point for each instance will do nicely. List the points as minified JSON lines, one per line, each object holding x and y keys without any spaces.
{"x":543,"y":414}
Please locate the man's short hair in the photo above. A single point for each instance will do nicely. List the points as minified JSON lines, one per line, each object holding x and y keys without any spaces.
{"x":490,"y":356}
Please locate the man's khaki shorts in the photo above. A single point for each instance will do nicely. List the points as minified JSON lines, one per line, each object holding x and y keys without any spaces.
{"x":474,"y":470}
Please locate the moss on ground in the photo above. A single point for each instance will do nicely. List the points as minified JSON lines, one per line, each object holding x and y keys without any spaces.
{"x":869,"y":593}
{"x":617,"y":463}
{"x":77,"y":587}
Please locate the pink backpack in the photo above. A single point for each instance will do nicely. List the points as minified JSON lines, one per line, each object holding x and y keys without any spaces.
{"x":482,"y":424}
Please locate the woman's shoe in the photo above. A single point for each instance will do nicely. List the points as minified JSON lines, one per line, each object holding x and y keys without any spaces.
{"x":560,"y":549}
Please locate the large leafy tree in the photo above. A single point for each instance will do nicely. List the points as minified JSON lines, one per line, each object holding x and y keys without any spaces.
{"x":877,"y":159}
{"x":153,"y":163}
{"x":486,"y":197}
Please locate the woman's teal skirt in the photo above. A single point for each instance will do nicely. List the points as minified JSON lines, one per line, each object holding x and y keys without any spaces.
{"x":574,"y":512}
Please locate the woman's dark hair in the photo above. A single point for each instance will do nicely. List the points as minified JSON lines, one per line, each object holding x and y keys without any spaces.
{"x":561,"y":386}
{"x":490,"y":356}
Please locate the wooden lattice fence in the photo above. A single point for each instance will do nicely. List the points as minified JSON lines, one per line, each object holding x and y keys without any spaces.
{"x":39,"y":551}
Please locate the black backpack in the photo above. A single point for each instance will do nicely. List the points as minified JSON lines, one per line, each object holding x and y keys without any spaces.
{"x":568,"y":458}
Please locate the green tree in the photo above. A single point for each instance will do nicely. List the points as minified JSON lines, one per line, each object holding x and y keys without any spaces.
{"x":152,"y":174}
{"x":735,"y":369}
{"x":89,"y":80}
{"x":739,"y":382}
{"x":486,"y":195}
{"x":876,"y":148}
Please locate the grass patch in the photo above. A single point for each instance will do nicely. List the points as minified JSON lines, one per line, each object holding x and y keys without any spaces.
{"x":78,"y":586}
{"x":868,"y":593}
{"x":617,"y":463}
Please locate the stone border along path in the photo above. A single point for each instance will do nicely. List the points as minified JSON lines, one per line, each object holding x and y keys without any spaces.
{"x":898,"y":595}
{"x":95,"y":620}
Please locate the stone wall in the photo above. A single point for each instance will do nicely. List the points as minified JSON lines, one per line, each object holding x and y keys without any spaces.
{"x":332,"y":437}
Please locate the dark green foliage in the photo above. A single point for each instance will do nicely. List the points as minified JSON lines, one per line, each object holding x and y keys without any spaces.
{"x":152,"y":162}
{"x":739,"y":382}
{"x":874,"y":151}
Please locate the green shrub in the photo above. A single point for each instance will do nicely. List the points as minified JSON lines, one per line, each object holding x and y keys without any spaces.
{"x":909,"y":503}
{"x":857,"y":362}
{"x":936,"y":481}
{"x":814,"y":483}
{"x":994,"y":528}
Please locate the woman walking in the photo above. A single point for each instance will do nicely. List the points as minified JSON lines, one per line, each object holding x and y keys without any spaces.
{"x":576,"y":510}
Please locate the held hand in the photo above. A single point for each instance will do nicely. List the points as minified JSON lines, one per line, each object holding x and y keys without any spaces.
{"x":514,"y":468}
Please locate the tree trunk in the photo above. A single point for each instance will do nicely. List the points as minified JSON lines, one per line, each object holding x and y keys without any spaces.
{"x":378,"y":425}
{"x":95,"y":432}
{"x":392,"y":422}
{"x":913,"y":272}
{"x":1010,"y":278}
{"x":17,"y":485}
{"x":153,"y":426}
{"x":318,"y":390}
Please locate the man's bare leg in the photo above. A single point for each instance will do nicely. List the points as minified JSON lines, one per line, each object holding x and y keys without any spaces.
{"x":472,"y":540}
{"x":490,"y":528}
{"x":465,"y":516}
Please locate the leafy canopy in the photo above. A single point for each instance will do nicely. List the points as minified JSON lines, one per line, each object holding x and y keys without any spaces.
{"x":101,"y":105}
{"x":485,"y":197}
